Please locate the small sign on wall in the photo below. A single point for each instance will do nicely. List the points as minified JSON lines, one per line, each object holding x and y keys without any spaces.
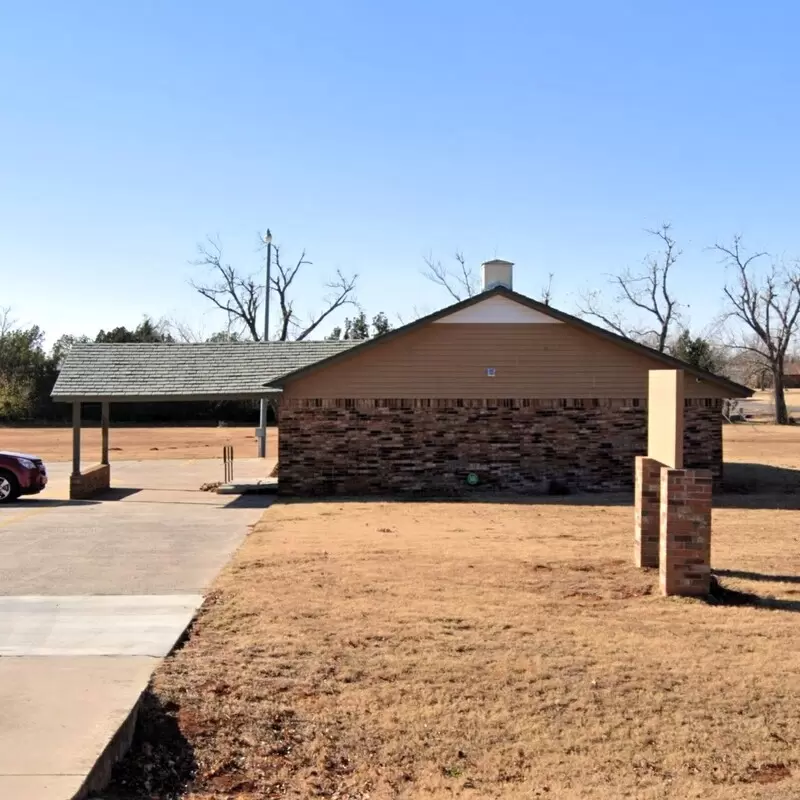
{"x":490,"y":372}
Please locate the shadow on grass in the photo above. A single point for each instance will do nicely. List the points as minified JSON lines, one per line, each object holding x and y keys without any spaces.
{"x":757,"y":576}
{"x":756,"y":500}
{"x":723,"y":596}
{"x":778,"y":604}
{"x":747,"y":485}
{"x":497,"y":498}
{"x":755,"y":486}
{"x":160,"y":762}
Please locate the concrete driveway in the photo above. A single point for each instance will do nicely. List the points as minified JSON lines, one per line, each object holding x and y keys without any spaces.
{"x":92,"y":596}
{"x":160,"y":536}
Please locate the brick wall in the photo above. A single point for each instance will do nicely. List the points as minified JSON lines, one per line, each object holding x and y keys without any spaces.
{"x":702,"y":436}
{"x":90,"y":482}
{"x":352,"y":446}
{"x":647,"y":510}
{"x":685,"y":531}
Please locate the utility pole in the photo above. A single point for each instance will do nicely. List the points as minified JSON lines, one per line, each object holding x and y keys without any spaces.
{"x":262,"y":437}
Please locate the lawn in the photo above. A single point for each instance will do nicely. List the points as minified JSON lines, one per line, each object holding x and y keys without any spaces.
{"x":483,"y":650}
{"x":774,"y":445}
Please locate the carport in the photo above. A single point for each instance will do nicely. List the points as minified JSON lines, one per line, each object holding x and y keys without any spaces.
{"x":170,"y":372}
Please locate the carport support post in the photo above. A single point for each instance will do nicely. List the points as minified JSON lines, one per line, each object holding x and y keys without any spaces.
{"x":104,"y":418}
{"x":76,"y":437}
{"x":262,"y":428}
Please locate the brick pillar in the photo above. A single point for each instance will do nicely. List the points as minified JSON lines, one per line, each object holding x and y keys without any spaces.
{"x":685,"y":537}
{"x":648,"y":492}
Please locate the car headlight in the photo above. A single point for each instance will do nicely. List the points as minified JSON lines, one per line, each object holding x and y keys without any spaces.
{"x":26,"y":463}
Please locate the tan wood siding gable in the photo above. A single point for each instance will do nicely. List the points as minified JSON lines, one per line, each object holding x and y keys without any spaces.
{"x":450,"y":361}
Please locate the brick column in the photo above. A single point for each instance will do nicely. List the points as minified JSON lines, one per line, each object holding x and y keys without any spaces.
{"x":685,"y":536}
{"x":90,"y":482}
{"x":646,"y":517}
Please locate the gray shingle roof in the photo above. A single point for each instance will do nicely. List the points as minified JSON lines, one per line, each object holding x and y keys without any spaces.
{"x":190,"y":371}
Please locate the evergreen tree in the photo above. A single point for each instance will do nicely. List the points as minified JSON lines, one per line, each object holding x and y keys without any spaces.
{"x":145,"y":331}
{"x":696,"y":351}
{"x":358,"y":328}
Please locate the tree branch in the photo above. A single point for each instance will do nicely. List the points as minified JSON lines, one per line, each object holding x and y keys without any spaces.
{"x":547,"y":290}
{"x":589,"y":305}
{"x":459,"y":283}
{"x":238,"y":297}
{"x":648,"y":292}
{"x":768,"y":304}
{"x":241,"y":297}
{"x":342,"y":293}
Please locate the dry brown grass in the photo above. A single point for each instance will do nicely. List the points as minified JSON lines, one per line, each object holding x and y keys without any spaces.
{"x":766,"y":396}
{"x":483,"y":650}
{"x":134,"y":443}
{"x":775,"y":445}
{"x":764,"y":458}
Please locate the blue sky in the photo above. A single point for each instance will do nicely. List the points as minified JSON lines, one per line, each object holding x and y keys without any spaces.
{"x":370,"y":133}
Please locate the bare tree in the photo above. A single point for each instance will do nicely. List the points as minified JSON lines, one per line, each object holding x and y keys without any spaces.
{"x":341,"y":292}
{"x":7,"y":322}
{"x":241,"y":296}
{"x":768,"y":304}
{"x":744,"y":366}
{"x":417,"y":312}
{"x":184,"y":332}
{"x":460,"y":281}
{"x":647,"y":291}
{"x":547,"y":290}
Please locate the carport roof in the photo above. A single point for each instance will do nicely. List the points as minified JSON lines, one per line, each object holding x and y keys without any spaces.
{"x":161,"y":371}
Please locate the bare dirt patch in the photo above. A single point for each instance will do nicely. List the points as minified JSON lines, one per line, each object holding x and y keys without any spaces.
{"x":135,"y":443}
{"x":483,"y":650}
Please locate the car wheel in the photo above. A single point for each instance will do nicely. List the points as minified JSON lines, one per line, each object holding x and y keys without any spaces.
{"x":9,"y":488}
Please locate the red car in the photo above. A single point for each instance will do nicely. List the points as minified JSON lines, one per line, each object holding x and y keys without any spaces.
{"x":20,"y":474}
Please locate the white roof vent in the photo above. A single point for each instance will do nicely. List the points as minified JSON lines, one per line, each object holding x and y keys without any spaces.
{"x":497,"y":273}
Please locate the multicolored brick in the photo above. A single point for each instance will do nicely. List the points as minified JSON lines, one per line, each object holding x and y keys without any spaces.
{"x":647,"y":515}
{"x":429,"y":446}
{"x":685,"y":531}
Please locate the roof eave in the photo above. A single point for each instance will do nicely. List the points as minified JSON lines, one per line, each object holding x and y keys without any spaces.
{"x":735,"y":389}
{"x":161,"y":398}
{"x":674,"y":363}
{"x":384,"y":337}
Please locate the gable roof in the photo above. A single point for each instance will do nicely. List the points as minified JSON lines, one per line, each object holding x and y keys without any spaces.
{"x":733,"y":389}
{"x":174,"y":371}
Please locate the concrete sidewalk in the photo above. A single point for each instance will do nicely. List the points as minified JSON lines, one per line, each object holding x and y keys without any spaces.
{"x":126,"y":625}
{"x":59,"y":715}
{"x":92,"y":596}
